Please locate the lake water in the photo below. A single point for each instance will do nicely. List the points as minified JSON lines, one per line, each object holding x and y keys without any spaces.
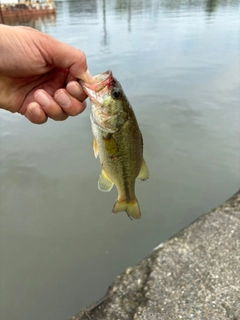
{"x":178,"y":62}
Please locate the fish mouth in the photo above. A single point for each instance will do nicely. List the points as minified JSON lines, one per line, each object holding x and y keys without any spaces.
{"x":99,"y":88}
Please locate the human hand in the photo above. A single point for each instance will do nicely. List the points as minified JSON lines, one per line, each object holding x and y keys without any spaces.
{"x":38,"y":75}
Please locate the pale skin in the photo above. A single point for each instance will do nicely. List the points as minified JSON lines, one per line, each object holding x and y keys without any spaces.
{"x":38,"y":75}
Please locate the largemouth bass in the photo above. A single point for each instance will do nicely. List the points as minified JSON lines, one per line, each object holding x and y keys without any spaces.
{"x":117,"y":141}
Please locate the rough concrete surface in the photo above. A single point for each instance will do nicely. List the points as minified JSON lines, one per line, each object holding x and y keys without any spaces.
{"x":194,"y":275}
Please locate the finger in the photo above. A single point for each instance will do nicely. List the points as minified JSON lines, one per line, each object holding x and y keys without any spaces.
{"x":70,"y":105}
{"x":73,"y":59}
{"x":76,"y":90}
{"x":35,"y":114}
{"x":51,"y":108}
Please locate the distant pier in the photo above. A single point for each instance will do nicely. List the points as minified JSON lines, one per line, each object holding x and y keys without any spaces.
{"x":21,"y":9}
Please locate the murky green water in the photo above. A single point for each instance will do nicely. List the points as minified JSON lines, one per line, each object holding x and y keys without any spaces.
{"x":178,"y":62}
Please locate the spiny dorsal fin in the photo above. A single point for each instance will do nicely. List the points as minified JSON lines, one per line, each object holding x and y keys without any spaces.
{"x":104,"y":183}
{"x":143,"y":173}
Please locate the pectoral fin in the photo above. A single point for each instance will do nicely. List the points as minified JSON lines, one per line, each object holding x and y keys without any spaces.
{"x":111,"y":145}
{"x":143,"y":173}
{"x":104,"y":183}
{"x":95,"y":148}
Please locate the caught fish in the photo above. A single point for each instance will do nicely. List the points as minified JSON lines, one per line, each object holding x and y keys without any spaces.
{"x":117,"y":141}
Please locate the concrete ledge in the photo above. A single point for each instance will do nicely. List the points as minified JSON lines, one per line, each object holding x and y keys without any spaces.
{"x":194,"y":275}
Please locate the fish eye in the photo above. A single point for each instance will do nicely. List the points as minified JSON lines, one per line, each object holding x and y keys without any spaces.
{"x":116,"y":93}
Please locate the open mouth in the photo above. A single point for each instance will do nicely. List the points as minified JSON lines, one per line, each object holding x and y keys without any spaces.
{"x":100,"y":81}
{"x":99,"y":89}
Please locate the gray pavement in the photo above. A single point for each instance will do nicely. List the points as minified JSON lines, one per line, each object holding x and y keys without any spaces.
{"x":194,"y":275}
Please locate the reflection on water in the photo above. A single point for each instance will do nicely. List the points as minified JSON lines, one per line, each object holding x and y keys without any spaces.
{"x":104,"y":24}
{"x":31,"y":21}
{"x":178,"y":63}
{"x":211,"y":6}
{"x":86,"y":8}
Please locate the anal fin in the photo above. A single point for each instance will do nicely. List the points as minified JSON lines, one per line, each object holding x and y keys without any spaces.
{"x":144,"y":172}
{"x":104,"y":183}
{"x":95,"y":148}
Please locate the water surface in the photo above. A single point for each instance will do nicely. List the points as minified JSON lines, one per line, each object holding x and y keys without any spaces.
{"x":178,"y":62}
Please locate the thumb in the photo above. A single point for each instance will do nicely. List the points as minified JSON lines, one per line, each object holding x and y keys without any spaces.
{"x":67,"y":57}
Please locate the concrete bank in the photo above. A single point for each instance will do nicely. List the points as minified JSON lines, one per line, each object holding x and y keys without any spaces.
{"x":194,"y":275}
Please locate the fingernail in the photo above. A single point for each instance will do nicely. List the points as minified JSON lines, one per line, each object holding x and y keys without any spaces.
{"x":63,"y":99}
{"x":42,"y":99}
{"x":74,"y":88}
{"x":87,"y":77}
{"x":34,"y":109}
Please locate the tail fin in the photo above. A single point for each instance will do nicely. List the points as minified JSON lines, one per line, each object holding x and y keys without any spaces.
{"x":131,"y":207}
